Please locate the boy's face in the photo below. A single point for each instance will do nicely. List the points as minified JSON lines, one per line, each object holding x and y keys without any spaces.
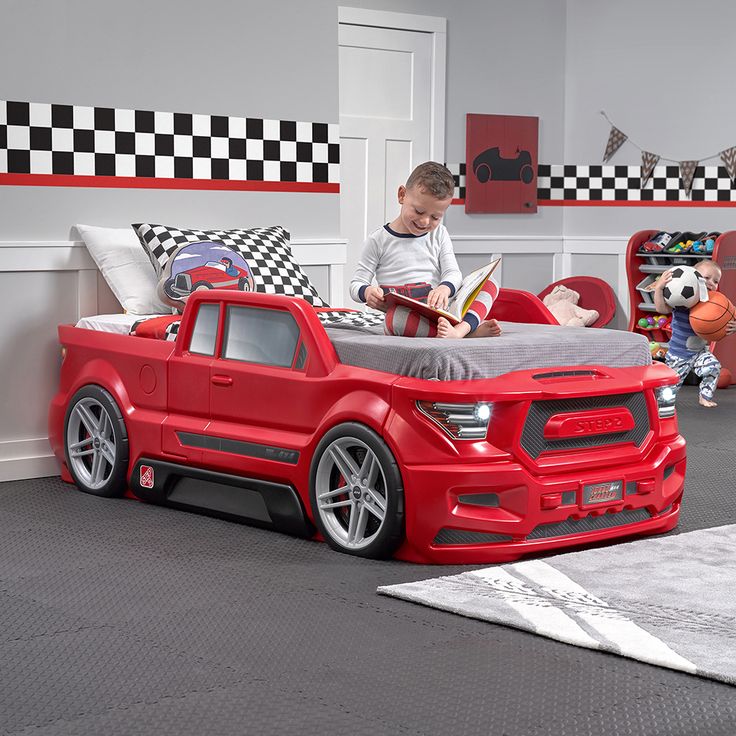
{"x":711,"y":275}
{"x":421,"y":212}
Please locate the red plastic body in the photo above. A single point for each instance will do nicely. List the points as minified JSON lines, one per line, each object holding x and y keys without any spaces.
{"x":594,"y":293}
{"x":163,"y":390}
{"x":513,"y":305}
{"x":724,"y":254}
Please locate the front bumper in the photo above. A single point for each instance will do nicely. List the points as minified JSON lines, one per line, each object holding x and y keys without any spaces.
{"x":497,"y":512}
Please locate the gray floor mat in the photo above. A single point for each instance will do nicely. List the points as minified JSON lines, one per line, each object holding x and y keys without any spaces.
{"x":124,"y":618}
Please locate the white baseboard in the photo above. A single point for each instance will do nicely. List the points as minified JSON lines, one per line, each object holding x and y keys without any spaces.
{"x":32,"y":458}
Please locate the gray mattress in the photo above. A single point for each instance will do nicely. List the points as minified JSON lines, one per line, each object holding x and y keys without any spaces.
{"x":520,"y":347}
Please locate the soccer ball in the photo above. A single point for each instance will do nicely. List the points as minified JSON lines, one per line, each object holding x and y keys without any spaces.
{"x":683,"y":290}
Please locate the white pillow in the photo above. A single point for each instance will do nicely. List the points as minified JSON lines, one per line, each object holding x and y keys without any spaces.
{"x":125,"y":266}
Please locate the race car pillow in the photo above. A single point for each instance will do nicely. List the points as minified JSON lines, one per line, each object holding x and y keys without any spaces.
{"x":203,"y":265}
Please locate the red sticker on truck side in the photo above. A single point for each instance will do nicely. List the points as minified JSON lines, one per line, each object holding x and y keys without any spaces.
{"x":146,"y":479}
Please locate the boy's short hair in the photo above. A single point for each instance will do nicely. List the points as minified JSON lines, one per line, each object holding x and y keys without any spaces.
{"x":434,"y":178}
{"x":713,"y":264}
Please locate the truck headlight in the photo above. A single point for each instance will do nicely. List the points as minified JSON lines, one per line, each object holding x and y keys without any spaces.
{"x":666,"y":396}
{"x":460,"y":421}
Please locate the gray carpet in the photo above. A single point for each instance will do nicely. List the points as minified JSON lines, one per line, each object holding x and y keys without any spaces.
{"x":117,"y":617}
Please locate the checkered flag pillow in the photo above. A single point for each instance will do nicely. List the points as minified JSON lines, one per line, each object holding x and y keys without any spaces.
{"x":265,"y":249}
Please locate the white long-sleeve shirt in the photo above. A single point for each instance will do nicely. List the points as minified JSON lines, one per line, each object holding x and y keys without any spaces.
{"x":394,"y":258}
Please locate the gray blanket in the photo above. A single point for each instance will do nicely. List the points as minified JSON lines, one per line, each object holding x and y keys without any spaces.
{"x":520,"y":347}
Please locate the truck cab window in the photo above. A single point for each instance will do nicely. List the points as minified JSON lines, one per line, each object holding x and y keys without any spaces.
{"x":204,"y":334}
{"x":265,"y":336}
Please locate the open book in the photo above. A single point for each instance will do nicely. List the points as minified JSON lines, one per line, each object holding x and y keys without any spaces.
{"x":460,"y":302}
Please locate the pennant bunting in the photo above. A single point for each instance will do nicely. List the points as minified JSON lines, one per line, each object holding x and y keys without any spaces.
{"x":615,"y":141}
{"x":648,"y":162}
{"x":687,"y":172}
{"x":729,"y":161}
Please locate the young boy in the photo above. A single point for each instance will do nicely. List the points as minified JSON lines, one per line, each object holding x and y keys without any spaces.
{"x":688,"y":352}
{"x":415,"y":247}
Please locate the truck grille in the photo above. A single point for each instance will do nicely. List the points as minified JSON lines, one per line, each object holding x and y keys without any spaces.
{"x":589,"y":524}
{"x":447,"y":536}
{"x":534,"y":443}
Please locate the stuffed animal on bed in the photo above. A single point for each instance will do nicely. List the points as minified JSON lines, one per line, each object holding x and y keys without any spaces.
{"x":563,"y":303}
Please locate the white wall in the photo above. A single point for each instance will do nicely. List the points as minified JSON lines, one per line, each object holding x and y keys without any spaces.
{"x":663,"y":72}
{"x":275,"y":60}
{"x":661,"y":69}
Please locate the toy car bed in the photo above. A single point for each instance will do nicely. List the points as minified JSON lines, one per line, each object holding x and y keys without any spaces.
{"x":462,"y":451}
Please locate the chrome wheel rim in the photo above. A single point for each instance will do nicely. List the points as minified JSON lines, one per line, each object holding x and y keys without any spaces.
{"x":90,"y":443}
{"x":350,"y":488}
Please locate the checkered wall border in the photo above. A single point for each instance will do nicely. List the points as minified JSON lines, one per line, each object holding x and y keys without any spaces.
{"x":131,"y":147}
{"x":623,"y":184}
{"x":558,"y":184}
{"x":458,"y":174}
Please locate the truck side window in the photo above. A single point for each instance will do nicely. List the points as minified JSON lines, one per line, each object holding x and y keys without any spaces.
{"x":266,"y":336}
{"x":204,"y":334}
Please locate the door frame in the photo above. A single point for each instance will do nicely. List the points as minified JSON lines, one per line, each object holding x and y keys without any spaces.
{"x":433,"y":25}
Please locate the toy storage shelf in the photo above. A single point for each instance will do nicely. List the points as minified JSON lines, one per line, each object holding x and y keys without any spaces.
{"x":640,"y":265}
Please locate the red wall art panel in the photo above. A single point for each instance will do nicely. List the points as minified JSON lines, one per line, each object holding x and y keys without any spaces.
{"x":501,"y":163}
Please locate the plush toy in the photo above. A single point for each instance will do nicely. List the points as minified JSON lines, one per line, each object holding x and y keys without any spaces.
{"x":563,"y":303}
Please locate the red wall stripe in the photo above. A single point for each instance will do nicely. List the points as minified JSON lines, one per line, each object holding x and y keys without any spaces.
{"x":135,"y":182}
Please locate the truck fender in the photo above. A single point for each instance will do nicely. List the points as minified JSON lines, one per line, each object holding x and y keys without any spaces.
{"x":103,"y":373}
{"x":373,"y":412}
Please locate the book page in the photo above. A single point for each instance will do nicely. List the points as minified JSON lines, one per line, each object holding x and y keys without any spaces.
{"x":470,"y":288}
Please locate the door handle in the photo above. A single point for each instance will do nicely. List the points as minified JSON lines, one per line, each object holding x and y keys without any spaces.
{"x":220,"y":380}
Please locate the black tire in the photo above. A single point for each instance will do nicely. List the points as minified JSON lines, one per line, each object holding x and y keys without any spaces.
{"x":200,"y":285}
{"x":96,"y":443}
{"x":483,"y":172}
{"x":526,"y":174}
{"x":367,"y":519}
{"x":243,"y":284}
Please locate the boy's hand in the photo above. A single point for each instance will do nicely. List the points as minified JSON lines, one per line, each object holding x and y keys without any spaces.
{"x":663,"y":280}
{"x":731,"y":327}
{"x":438,"y":298}
{"x":374,"y":298}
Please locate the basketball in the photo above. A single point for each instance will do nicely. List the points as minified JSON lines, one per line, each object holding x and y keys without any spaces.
{"x":709,"y":319}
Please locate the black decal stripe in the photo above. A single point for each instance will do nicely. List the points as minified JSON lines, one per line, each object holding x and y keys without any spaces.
{"x":238,"y":447}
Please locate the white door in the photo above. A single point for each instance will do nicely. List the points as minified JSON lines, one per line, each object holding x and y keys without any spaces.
{"x":385,"y":126}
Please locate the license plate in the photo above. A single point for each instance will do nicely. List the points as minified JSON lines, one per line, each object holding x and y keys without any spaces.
{"x":606,"y":492}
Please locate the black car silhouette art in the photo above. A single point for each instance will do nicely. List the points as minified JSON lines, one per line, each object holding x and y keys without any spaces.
{"x":490,"y":166}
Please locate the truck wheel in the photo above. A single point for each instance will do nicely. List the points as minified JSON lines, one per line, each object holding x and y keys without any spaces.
{"x":96,"y":442}
{"x":356,"y":492}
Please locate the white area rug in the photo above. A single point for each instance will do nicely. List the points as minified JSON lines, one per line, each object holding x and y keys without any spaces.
{"x":669,"y":602}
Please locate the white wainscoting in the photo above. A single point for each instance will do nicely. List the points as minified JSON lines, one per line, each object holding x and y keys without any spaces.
{"x":43,"y":284}
{"x":534,"y":261}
